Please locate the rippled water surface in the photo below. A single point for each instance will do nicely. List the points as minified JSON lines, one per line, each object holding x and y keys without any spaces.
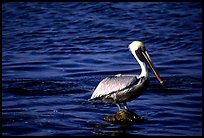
{"x":54,"y":54}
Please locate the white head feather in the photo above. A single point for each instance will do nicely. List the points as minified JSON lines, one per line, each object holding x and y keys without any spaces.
{"x":135,"y":45}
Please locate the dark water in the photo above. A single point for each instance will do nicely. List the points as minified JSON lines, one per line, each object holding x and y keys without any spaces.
{"x":54,"y":54}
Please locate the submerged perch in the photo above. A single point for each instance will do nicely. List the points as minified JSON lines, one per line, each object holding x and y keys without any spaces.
{"x":123,"y":116}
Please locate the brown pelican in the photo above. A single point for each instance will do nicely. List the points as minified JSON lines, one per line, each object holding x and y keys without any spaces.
{"x":122,"y":88}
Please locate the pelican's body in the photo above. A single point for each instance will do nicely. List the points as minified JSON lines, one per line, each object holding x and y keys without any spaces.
{"x":122,"y":88}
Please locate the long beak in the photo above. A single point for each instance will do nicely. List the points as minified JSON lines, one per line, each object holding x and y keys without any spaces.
{"x":149,"y":63}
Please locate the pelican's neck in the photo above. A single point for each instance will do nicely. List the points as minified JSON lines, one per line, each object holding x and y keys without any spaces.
{"x":144,"y":72}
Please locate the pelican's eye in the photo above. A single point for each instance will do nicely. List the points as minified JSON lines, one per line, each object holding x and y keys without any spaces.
{"x":142,"y":48}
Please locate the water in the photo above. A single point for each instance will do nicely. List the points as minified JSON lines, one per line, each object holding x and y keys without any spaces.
{"x":54,"y":54}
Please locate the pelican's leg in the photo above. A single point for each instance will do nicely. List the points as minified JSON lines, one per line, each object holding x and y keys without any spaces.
{"x":118,"y":105}
{"x":125,"y":105}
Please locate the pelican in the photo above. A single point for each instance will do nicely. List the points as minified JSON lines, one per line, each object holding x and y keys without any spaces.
{"x":123,"y":88}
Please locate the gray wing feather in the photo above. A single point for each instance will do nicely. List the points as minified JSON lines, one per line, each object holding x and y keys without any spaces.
{"x":113,"y":84}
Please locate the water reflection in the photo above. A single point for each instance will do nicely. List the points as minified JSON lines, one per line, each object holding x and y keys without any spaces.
{"x":113,"y":129}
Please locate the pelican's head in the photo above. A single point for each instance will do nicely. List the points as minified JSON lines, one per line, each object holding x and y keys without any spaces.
{"x":138,"y":50}
{"x":135,"y":45}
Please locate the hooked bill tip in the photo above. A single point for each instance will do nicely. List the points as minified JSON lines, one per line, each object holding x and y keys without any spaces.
{"x":161,"y":82}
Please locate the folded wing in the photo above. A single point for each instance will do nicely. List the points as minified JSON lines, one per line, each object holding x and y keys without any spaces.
{"x":114,"y":84}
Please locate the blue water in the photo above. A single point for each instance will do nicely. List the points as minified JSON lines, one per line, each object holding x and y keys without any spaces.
{"x":54,"y":54}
